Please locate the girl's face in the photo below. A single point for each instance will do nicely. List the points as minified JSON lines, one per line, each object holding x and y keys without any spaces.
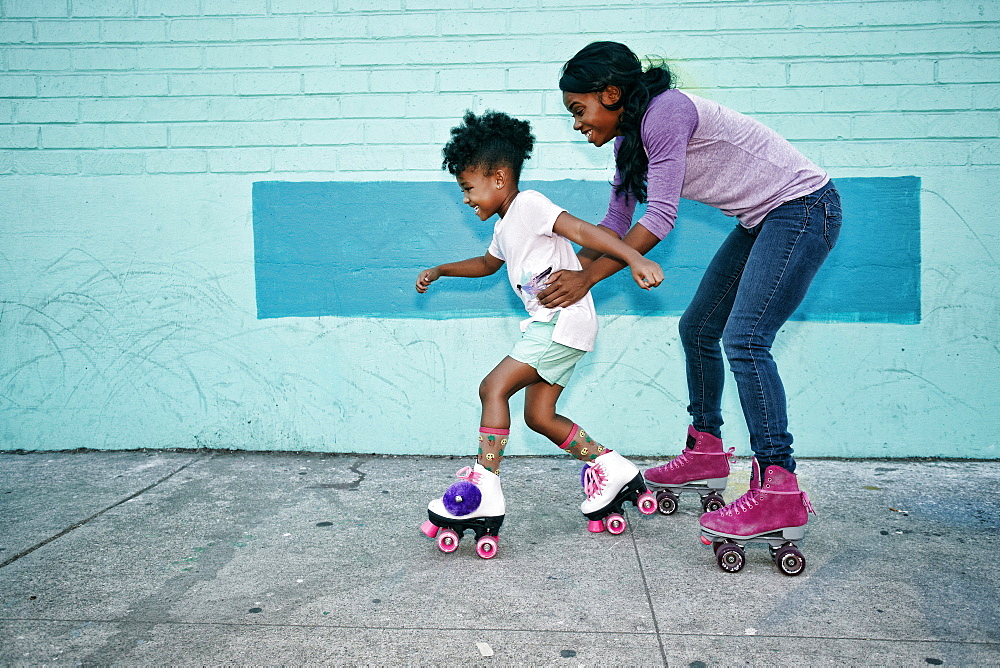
{"x":487,"y":194}
{"x":597,"y":123}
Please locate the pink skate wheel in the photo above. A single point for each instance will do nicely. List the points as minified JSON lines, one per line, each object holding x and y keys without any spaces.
{"x":447,"y":541}
{"x":486,"y":547}
{"x":646,"y":503}
{"x":595,"y":526}
{"x":615,"y":524}
{"x":429,"y":529}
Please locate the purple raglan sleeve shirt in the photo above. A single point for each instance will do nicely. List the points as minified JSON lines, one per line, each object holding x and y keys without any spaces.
{"x":707,"y":153}
{"x":665,"y":137}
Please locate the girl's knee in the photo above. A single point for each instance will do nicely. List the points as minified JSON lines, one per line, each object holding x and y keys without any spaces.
{"x":538,"y":421}
{"x":489,"y":390}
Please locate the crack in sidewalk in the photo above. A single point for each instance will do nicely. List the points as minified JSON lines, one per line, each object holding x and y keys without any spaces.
{"x":81,"y":523}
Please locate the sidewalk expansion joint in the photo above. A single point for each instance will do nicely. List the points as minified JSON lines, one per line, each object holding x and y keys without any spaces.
{"x":126,"y":621}
{"x":649,"y":598}
{"x":81,"y":523}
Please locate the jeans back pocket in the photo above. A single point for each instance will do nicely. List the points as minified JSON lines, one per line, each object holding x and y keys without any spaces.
{"x":832,"y":217}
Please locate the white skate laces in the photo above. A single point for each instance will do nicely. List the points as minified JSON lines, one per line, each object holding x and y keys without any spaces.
{"x":594,"y":480}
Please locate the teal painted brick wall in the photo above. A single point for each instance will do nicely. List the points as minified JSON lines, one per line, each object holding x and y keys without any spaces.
{"x":131,"y":132}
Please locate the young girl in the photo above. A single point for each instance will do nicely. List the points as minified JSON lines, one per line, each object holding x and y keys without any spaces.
{"x":532,"y":237}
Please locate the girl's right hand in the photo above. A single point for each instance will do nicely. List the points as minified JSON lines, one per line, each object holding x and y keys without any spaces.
{"x":646,"y":273}
{"x":426,"y":277}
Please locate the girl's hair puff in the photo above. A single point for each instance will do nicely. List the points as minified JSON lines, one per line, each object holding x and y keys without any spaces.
{"x":487,"y":142}
{"x":602,"y":64}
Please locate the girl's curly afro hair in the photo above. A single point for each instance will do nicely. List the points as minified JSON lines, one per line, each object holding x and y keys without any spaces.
{"x":487,"y":142}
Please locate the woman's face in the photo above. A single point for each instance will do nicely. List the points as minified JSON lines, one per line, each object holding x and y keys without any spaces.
{"x":597,"y":123}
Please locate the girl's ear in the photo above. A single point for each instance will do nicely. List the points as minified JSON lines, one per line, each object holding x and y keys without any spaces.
{"x":500,"y":178}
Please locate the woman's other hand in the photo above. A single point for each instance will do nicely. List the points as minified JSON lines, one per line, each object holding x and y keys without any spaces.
{"x":565,"y":287}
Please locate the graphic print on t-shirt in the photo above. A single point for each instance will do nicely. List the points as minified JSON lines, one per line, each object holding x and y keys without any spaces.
{"x":534,"y":284}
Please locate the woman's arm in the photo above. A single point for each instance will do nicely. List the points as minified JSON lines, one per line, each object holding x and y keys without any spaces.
{"x":646,"y":273}
{"x":474,"y":267}
{"x":568,"y":287}
{"x":667,"y":127}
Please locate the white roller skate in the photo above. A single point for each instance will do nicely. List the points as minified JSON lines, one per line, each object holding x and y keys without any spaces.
{"x":609,"y":482}
{"x":474,"y":503}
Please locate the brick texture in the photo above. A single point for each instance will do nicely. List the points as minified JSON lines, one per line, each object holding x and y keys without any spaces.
{"x":265,"y":86}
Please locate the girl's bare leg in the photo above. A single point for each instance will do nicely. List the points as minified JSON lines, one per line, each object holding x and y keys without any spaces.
{"x":505,"y":380}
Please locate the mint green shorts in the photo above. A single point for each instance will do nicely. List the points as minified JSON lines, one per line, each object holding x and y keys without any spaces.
{"x":553,"y":361}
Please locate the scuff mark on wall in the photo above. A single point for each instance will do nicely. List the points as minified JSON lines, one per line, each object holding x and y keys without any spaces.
{"x":120,"y":345}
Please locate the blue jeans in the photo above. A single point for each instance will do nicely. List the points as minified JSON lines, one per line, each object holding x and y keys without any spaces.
{"x":752,"y":286}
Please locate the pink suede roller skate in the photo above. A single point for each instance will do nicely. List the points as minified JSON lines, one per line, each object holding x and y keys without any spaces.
{"x":702,"y":466}
{"x":609,"y":482}
{"x":474,"y":503}
{"x":773,"y":511}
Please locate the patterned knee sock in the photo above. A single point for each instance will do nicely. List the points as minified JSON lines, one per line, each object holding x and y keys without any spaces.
{"x":582,"y":446}
{"x":491,"y":446}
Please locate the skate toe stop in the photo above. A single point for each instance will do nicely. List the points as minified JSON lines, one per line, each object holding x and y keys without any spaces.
{"x":429,"y":529}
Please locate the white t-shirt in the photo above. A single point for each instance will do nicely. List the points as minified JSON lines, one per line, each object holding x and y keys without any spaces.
{"x":525,"y":241}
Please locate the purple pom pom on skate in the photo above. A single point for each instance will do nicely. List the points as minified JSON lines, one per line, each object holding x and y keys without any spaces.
{"x":583,"y":475}
{"x":462,"y":498}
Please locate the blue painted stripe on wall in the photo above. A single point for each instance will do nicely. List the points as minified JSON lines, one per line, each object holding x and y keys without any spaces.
{"x":354,"y":249}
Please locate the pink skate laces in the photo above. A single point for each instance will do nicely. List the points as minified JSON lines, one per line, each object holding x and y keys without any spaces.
{"x":594,"y":480}
{"x":753,"y":496}
{"x":809,"y":506}
{"x":467,"y":473}
{"x":805,"y":498}
{"x":681,"y":459}
{"x":745,"y":502}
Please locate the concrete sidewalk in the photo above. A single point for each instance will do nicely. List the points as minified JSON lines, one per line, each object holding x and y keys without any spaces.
{"x":258,"y":558}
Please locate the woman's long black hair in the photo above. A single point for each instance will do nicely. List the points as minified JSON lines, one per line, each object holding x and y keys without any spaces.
{"x":602,"y":64}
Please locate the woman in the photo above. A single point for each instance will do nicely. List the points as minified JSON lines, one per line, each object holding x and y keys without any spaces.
{"x":671,"y":144}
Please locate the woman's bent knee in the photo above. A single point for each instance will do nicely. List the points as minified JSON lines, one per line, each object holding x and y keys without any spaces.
{"x":695,"y":334}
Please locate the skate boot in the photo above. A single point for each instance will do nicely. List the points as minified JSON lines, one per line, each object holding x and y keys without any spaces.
{"x":774,"y":511}
{"x":610,"y":481}
{"x":702,"y":466}
{"x":474,"y":503}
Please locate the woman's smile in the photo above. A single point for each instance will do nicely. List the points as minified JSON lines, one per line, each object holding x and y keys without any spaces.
{"x":591,"y":117}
